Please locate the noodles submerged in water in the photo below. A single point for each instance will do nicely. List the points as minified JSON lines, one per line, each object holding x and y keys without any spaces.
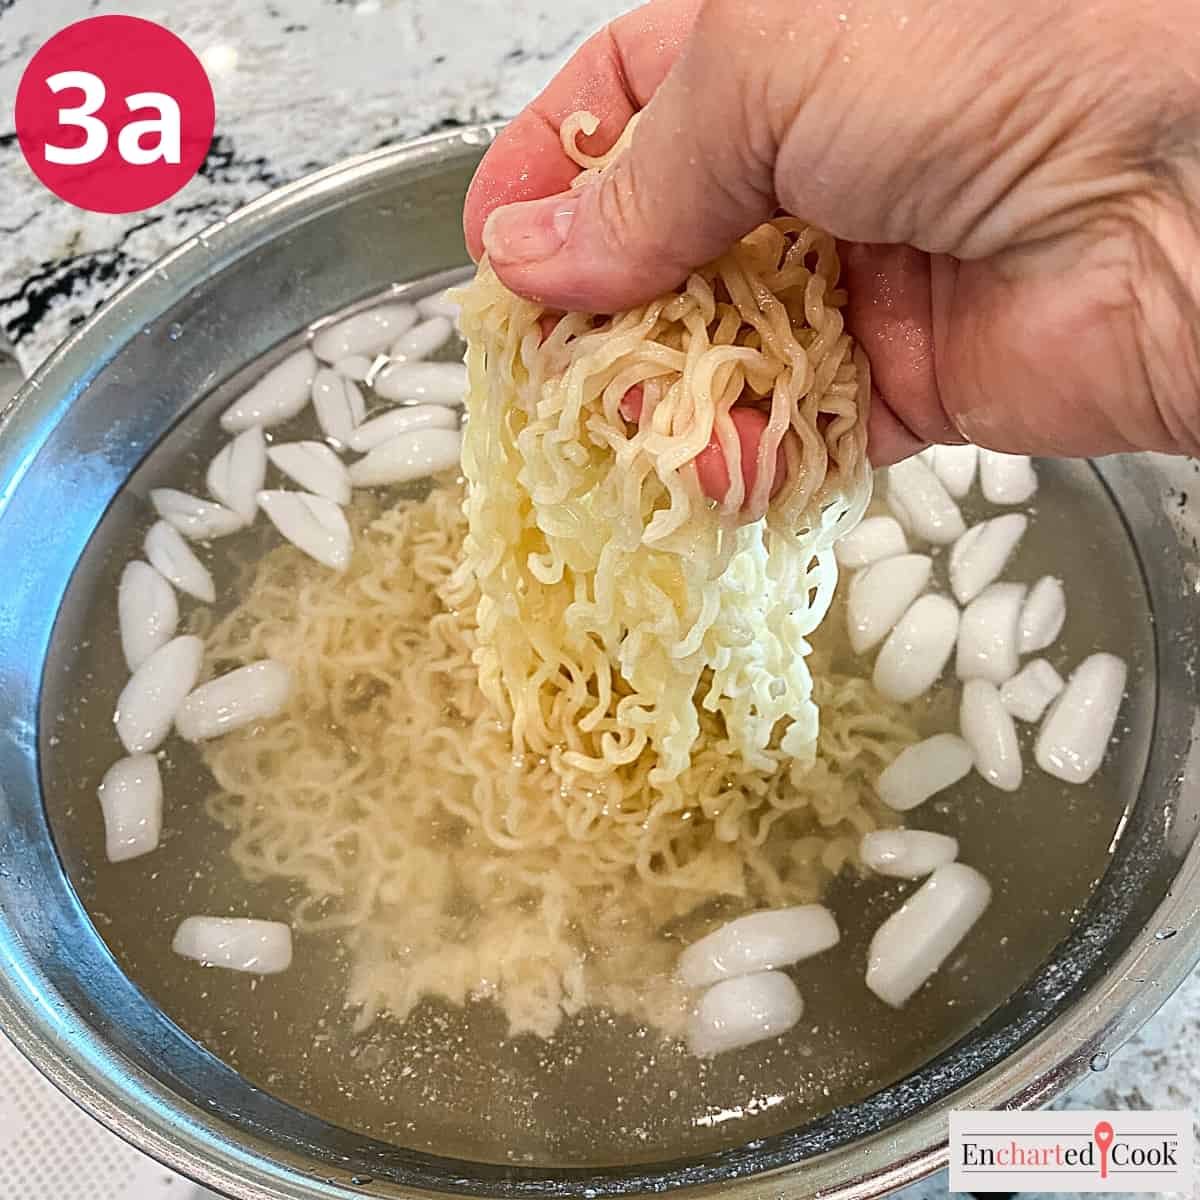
{"x":541,"y":730}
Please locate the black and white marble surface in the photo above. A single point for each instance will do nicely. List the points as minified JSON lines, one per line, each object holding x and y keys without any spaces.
{"x":300,"y":84}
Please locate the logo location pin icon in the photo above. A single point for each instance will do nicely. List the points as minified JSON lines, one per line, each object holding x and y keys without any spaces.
{"x":1103,"y":1135}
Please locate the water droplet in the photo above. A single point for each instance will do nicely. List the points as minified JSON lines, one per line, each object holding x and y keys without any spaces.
{"x":1163,"y":934}
{"x":1100,"y":1061}
{"x":361,"y":1180}
{"x":476,"y":137}
{"x":174,"y":331}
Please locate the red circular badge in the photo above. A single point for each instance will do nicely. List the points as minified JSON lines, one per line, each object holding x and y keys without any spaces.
{"x":114,"y":114}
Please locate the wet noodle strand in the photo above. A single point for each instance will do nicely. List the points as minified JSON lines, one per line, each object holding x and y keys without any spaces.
{"x":453,"y":867}
{"x":545,"y":727}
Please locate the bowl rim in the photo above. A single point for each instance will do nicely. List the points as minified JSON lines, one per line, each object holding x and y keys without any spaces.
{"x":198,"y":1145}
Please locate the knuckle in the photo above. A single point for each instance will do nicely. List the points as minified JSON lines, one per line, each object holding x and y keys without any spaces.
{"x":1164,"y":296}
{"x":636,"y":220}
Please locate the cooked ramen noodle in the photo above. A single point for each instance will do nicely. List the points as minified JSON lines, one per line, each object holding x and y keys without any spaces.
{"x":617,"y":602}
{"x":456,"y":866}
{"x":551,"y":722}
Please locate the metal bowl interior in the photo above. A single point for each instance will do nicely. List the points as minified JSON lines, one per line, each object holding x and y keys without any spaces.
{"x":83,"y":425}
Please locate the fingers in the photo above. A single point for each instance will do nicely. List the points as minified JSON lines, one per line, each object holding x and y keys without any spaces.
{"x":890,"y":312}
{"x":712,"y":470}
{"x":698,"y":175}
{"x":612,"y":75}
{"x":888,"y":439}
{"x":1044,"y":355}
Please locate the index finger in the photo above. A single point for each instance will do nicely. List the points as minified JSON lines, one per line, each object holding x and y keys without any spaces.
{"x":612,"y":75}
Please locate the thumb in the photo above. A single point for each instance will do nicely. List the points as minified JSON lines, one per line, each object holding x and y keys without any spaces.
{"x":687,"y":188}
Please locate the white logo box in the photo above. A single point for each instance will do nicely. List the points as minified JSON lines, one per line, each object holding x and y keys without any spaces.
{"x":1078,"y":1151}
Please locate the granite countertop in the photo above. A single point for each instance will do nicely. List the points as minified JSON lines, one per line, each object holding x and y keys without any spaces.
{"x":300,"y":84}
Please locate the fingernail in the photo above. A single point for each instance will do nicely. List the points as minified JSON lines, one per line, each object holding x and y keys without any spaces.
{"x":529,"y":232}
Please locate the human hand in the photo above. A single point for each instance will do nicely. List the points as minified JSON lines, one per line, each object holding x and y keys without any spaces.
{"x":1017,"y":186}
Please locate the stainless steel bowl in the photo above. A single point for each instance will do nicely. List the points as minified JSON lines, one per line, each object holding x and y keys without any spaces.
{"x":92,"y":414}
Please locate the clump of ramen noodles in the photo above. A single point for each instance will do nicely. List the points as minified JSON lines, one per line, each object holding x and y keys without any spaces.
{"x":546,"y":726}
